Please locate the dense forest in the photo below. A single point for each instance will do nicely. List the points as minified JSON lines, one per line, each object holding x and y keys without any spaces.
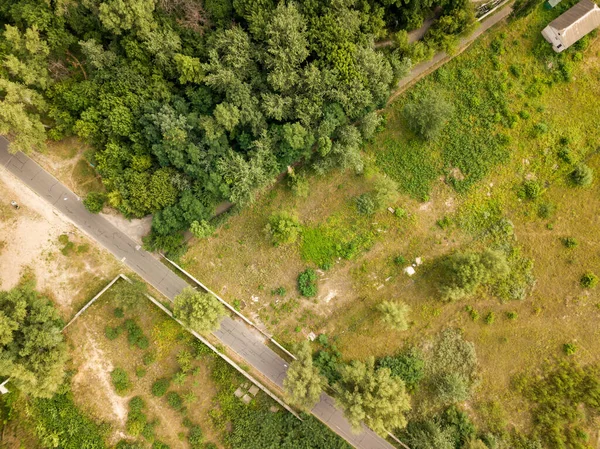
{"x":188,"y":103}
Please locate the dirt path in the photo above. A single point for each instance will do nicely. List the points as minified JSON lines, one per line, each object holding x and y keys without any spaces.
{"x":426,"y":67}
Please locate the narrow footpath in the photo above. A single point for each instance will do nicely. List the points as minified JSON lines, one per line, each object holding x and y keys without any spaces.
{"x":234,"y":334}
{"x":426,"y":67}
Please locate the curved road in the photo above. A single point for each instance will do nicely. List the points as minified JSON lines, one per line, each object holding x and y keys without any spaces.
{"x":234,"y":334}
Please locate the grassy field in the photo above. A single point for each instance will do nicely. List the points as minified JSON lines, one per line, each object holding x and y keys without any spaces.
{"x":522,"y":116}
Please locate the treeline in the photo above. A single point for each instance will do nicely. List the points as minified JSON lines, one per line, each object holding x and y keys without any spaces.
{"x":189,"y":103}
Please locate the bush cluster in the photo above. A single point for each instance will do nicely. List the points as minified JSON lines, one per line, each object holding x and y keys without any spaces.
{"x":307,"y":283}
{"x":120,"y":380}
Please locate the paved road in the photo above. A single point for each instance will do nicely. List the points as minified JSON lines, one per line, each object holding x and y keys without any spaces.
{"x":235,"y":334}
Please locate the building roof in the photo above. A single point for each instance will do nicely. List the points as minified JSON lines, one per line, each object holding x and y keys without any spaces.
{"x":576,"y":22}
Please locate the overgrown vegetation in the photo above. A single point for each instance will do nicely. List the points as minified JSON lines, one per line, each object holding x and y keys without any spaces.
{"x":565,"y":397}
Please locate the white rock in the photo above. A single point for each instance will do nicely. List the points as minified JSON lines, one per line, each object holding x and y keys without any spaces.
{"x":410,"y":271}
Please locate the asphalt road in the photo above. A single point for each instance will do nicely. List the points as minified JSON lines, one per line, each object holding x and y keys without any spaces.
{"x":234,"y":334}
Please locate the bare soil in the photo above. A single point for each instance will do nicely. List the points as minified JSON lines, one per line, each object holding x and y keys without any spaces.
{"x":29,"y":245}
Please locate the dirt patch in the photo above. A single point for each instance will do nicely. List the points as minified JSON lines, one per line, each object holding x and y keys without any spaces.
{"x":135,"y":228}
{"x":30,"y":243}
{"x":96,"y":369}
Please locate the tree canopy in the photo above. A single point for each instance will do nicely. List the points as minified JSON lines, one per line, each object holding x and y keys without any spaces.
{"x":372,"y":396}
{"x":201,"y":312}
{"x":32,"y":348}
{"x":303,"y":383}
{"x":189,"y":105}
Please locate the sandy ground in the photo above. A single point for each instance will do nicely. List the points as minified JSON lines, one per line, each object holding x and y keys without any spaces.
{"x":135,"y":228}
{"x":95,"y":370}
{"x":29,"y":243}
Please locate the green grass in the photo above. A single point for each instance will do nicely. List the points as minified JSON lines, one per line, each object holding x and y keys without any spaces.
{"x":492,"y":87}
{"x":409,"y":164}
{"x":342,"y":235}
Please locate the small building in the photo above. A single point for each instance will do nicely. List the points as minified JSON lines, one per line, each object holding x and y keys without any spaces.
{"x":572,"y":25}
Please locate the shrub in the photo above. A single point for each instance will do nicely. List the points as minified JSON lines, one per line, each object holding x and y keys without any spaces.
{"x":462,"y":273}
{"x":589,"y":280}
{"x":112,"y":333}
{"x":512,"y":315}
{"x":120,"y":380}
{"x":174,"y":400}
{"x":118,"y":312}
{"x":135,"y":335}
{"x":451,"y":388}
{"x":196,"y":437}
{"x":386,"y":191}
{"x":94,"y":202}
{"x":307,"y":283}
{"x":530,"y":190}
{"x":569,"y":242}
{"x":545,"y":210}
{"x":298,"y":183}
{"x":160,"y":387}
{"x":149,"y":358}
{"x":140,"y":371}
{"x":365,"y":204}
{"x":569,"y":348}
{"x":160,"y":445}
{"x":136,"y":404}
{"x":179,"y":378}
{"x":490,"y":318}
{"x":582,"y":176}
{"x":565,"y":155}
{"x":427,"y":117}
{"x":201,"y":229}
{"x":395,"y":314}
{"x":279,"y":291}
{"x":283,"y":228}
{"x":540,"y":128}
{"x":408,"y":366}
{"x":399,"y":260}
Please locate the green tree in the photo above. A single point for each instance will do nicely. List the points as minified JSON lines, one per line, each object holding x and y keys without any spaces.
{"x":94,"y":202}
{"x":118,"y":16}
{"x":462,"y":273}
{"x":372,"y":396}
{"x":201,"y":229}
{"x":201,"y":312}
{"x":303,"y":382}
{"x":395,"y":314}
{"x":189,"y":68}
{"x":32,"y":348}
{"x":24,"y":58}
{"x":427,"y":116}
{"x":283,"y":228}
{"x":287,"y":47}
